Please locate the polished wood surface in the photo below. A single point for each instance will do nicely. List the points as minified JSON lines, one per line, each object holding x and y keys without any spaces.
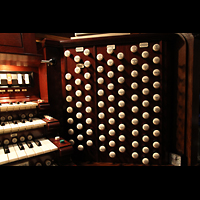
{"x":180,"y":89}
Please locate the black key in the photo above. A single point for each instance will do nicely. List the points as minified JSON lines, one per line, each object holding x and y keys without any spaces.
{"x":2,"y":124}
{"x":6,"y":149}
{"x":38,"y":143}
{"x":21,"y":147}
{"x":29,"y":144}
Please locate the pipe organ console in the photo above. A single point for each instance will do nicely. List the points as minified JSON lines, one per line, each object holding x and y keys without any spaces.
{"x":28,"y":135}
{"x":127,"y":99}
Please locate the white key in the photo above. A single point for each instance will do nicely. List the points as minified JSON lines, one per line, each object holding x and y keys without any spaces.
{"x":12,"y":156}
{"x":7,"y":128}
{"x":14,"y":127}
{"x":49,"y":144}
{"x":22,"y":126}
{"x":36,"y":149}
{"x":3,"y":157}
{"x":44,"y":146}
{"x":4,"y":107}
{"x":10,"y":107}
{"x":20,"y":153}
{"x":22,"y":106}
{"x":16,"y":106}
{"x":28,"y":125}
{"x":1,"y":129}
{"x":29,"y":151}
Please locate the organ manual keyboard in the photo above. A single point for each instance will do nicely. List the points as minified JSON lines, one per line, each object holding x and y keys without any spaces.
{"x":127,"y":99}
{"x":27,"y":132}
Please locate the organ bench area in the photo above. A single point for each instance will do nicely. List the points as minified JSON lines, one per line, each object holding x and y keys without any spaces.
{"x":127,"y":100}
{"x":28,"y":135}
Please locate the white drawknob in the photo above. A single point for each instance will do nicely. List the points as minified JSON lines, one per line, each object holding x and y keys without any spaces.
{"x":100,"y":92}
{"x":77,"y":59}
{"x":135,"y":121}
{"x":79,"y":115}
{"x":112,"y":154}
{"x":120,"y":56}
{"x":102,"y":148}
{"x":112,"y":132}
{"x":122,"y":149}
{"x":100,"y":69}
{"x":67,"y":53}
{"x":156,"y":47}
{"x":110,"y":50}
{"x":134,"y":49}
{"x":145,"y":127}
{"x":78,"y":81}
{"x":100,"y":80}
{"x":122,"y":138}
{"x":86,"y":52}
{"x":156,"y":145}
{"x":156,"y":72}
{"x":69,"y":99}
{"x":111,"y":109}
{"x":88,"y":87}
{"x":110,"y":62}
{"x":145,"y":54}
{"x":145,"y":150}
{"x":135,"y":144}
{"x":135,"y":132}
{"x":101,"y":104}
{"x":156,"y":133}
{"x":111,"y":98}
{"x":68,"y":76}
{"x":89,"y":132}
{"x":89,"y":143}
{"x":80,"y":137}
{"x":145,"y":161}
{"x":120,"y":68}
{"x":121,"y":127}
{"x":101,"y":115}
{"x":88,"y":98}
{"x":145,"y":79}
{"x":79,"y":126}
{"x":145,"y":138}
{"x":156,"y":156}
{"x":102,"y":138}
{"x":145,"y":67}
{"x":88,"y":121}
{"x":111,"y":86}
{"x":100,"y":57}
{"x":71,"y":131}
{"x":80,"y":147}
{"x":111,"y":121}
{"x":87,"y":75}
{"x":77,"y":70}
{"x":156,"y":60}
{"x":112,"y":143}
{"x":135,"y":109}
{"x":156,"y":109}
{"x":78,"y":93}
{"x":121,"y":80}
{"x":79,"y":104}
{"x":134,"y":61}
{"x":121,"y":92}
{"x":87,"y":63}
{"x":135,"y":155}
{"x":101,"y":127}
{"x":110,"y":74}
{"x":88,"y":109}
{"x":121,"y":115}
